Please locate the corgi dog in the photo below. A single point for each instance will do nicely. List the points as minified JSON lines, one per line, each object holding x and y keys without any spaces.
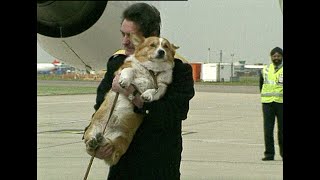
{"x":149,"y":70}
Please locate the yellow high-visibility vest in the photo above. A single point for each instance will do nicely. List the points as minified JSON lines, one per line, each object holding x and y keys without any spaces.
{"x":272,"y":88}
{"x":120,"y":51}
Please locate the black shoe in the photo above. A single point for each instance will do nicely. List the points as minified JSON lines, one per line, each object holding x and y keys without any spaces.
{"x":268,"y":159}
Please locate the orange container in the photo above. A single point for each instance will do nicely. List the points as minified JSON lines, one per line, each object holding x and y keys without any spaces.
{"x":196,"y":70}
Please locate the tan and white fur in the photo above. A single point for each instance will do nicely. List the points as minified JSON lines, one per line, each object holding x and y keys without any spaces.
{"x":153,"y":53}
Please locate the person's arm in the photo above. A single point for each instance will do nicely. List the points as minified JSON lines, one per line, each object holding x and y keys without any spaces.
{"x":175,"y":103}
{"x":260,"y":80}
{"x":106,"y":83}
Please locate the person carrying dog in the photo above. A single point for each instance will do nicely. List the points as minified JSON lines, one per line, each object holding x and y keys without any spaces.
{"x":271,"y":88}
{"x":155,"y":151}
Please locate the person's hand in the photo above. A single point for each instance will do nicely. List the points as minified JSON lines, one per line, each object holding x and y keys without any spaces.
{"x":138,"y":101}
{"x":103,"y":152}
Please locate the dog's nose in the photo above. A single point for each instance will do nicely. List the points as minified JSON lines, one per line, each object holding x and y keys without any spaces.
{"x":160,"y":53}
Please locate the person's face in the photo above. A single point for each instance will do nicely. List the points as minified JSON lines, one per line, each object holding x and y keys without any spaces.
{"x":128,"y":27}
{"x":276,"y":58}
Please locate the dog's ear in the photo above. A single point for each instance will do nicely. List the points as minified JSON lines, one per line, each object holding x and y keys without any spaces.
{"x":136,"y":39}
{"x":175,"y":47}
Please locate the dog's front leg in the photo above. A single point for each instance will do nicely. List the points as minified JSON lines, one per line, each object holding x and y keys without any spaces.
{"x":154,"y":94}
{"x":126,"y":77}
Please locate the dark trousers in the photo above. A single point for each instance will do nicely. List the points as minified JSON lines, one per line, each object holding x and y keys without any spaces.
{"x":271,"y":111}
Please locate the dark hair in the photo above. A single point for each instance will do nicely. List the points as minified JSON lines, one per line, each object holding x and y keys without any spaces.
{"x":146,"y":16}
{"x":276,"y":50}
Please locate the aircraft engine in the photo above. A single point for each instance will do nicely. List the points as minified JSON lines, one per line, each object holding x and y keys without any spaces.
{"x":83,"y":34}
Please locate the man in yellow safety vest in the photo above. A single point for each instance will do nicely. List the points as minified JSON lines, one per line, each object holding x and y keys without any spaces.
{"x":271,"y":88}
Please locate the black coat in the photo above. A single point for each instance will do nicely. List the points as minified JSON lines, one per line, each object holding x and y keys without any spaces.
{"x":155,"y":151}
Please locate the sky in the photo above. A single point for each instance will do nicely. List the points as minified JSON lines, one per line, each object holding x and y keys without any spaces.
{"x":248,"y":29}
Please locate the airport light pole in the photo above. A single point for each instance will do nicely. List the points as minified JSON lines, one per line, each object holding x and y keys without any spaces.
{"x":208,"y":55}
{"x":231,"y":78}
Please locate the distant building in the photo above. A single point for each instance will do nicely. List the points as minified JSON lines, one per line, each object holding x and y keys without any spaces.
{"x":242,"y":69}
{"x":253,"y":69}
{"x":216,"y":72}
{"x":223,"y":72}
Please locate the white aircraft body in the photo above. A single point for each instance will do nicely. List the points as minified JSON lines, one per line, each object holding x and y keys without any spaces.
{"x":47,"y":67}
{"x":44,"y":67}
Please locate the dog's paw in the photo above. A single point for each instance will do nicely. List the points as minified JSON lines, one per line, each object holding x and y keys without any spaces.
{"x":100,"y":138}
{"x":124,"y":82}
{"x":95,"y":142}
{"x":92,"y":144}
{"x":147,"y":96}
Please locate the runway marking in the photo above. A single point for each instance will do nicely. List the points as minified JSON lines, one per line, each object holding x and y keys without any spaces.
{"x":276,"y":162}
{"x":224,"y":141}
{"x":214,"y":121}
{"x":60,"y":145}
{"x":71,"y":131}
{"x":187,"y":132}
{"x":59,"y":123}
{"x":69,"y":102}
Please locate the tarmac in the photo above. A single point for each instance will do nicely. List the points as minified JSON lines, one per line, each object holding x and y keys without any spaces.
{"x":222,"y":137}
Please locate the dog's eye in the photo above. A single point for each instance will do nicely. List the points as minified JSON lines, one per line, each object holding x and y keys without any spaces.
{"x":165,"y":46}
{"x":153,"y":45}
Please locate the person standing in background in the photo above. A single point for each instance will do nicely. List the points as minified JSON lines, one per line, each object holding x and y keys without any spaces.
{"x":271,"y":89}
